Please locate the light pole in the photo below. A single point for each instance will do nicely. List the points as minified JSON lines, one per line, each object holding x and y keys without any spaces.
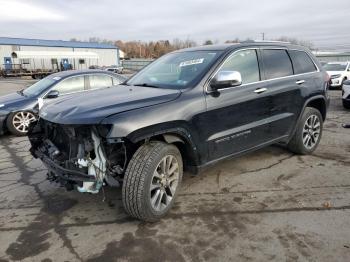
{"x":140,"y":47}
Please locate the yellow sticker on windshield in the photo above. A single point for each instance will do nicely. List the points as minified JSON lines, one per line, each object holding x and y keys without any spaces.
{"x":192,"y":62}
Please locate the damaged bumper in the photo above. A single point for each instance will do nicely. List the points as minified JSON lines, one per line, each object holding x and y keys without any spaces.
{"x":63,"y":173}
{"x":75,"y":155}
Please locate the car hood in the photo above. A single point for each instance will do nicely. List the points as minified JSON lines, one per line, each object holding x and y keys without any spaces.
{"x":92,"y":107}
{"x":13,"y":101}
{"x":335,"y":72}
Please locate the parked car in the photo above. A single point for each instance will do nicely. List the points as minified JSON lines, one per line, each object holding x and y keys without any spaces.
{"x":339,"y":72}
{"x":185,"y":111}
{"x":115,"y":69}
{"x":346,"y":94}
{"x":95,"y":67}
{"x":18,"y":109}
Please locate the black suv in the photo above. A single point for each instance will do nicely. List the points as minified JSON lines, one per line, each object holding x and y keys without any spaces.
{"x":185,"y":111}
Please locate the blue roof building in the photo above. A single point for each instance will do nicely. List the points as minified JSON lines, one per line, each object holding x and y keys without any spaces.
{"x":53,"y":43}
{"x":55,"y":52}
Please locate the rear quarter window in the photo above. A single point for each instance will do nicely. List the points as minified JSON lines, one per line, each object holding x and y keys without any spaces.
{"x":302,"y":62}
{"x":276,"y":63}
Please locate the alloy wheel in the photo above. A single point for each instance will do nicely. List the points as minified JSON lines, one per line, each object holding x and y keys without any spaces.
{"x":164,"y":183}
{"x":21,"y":121}
{"x":311,"y":131}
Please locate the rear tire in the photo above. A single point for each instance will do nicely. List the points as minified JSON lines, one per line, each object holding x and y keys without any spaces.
{"x":151,"y":181}
{"x":308,"y":132}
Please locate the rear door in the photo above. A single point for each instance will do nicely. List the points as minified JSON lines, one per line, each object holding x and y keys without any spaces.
{"x":306,"y":75}
{"x":284,"y":89}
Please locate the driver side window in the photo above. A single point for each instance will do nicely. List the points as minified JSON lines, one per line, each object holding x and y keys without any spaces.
{"x":246,"y":63}
{"x":70,"y":85}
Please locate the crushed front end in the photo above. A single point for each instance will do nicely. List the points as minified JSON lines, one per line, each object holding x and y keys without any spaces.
{"x":78,"y":155}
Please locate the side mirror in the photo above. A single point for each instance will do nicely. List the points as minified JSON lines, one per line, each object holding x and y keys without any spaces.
{"x":52,"y":94}
{"x":224,"y":79}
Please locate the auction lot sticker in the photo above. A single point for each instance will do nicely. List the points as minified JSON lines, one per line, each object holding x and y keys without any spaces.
{"x":192,"y":62}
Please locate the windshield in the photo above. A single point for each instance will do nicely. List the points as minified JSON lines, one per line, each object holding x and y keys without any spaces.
{"x":38,"y":87}
{"x":176,"y":70}
{"x":334,"y":67}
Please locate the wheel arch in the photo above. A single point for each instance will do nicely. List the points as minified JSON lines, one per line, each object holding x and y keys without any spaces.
{"x":318,"y":103}
{"x":180,"y":137}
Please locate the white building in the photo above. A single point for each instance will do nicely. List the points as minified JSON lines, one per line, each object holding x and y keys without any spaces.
{"x":55,"y":54}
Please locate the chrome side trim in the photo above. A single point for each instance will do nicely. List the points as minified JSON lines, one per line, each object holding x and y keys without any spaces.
{"x":245,"y":127}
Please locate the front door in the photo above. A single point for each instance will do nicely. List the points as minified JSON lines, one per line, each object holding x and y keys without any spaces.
{"x":238,"y":117}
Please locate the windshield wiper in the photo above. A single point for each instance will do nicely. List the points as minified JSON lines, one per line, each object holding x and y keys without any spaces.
{"x":147,"y":85}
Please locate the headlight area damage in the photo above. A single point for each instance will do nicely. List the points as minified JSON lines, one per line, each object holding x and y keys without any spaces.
{"x":79,"y":155}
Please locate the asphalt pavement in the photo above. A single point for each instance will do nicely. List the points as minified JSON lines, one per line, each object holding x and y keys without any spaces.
{"x":270,"y":205}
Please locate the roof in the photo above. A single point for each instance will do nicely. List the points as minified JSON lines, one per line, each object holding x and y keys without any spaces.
{"x":54,"y":54}
{"x":53,"y":43}
{"x":231,"y":46}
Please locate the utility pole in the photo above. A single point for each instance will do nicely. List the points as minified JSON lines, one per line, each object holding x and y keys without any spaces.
{"x":140,"y":47}
{"x":263,"y":36}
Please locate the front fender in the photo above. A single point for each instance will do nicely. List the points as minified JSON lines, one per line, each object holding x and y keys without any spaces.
{"x":178,"y":128}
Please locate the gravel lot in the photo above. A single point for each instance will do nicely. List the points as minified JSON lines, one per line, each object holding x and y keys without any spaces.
{"x":269,"y":205}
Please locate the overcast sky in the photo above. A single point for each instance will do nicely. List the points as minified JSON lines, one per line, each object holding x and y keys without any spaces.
{"x":325,"y":23}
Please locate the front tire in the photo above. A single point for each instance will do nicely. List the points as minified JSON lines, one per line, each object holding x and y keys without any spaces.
{"x":151,"y":181}
{"x":18,"y":122}
{"x":308,"y":132}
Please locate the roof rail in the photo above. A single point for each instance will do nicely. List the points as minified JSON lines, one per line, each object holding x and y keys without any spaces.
{"x":265,"y":41}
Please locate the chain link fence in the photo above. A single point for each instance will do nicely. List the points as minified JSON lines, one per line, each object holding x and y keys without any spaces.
{"x":136,"y":64}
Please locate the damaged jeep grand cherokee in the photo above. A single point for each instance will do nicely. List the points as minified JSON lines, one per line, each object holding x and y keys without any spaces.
{"x":185,"y":111}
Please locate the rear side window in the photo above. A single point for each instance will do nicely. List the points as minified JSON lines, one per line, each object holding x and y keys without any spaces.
{"x":100,"y":81}
{"x":302,"y":62}
{"x":276,"y":63}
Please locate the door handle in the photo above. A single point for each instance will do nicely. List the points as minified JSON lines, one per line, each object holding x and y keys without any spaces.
{"x":299,"y":82}
{"x":260,"y":90}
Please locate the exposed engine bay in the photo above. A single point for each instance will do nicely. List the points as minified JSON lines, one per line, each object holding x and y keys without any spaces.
{"x":79,"y":156}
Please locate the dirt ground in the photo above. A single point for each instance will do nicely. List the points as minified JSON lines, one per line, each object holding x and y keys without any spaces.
{"x":269,"y":205}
